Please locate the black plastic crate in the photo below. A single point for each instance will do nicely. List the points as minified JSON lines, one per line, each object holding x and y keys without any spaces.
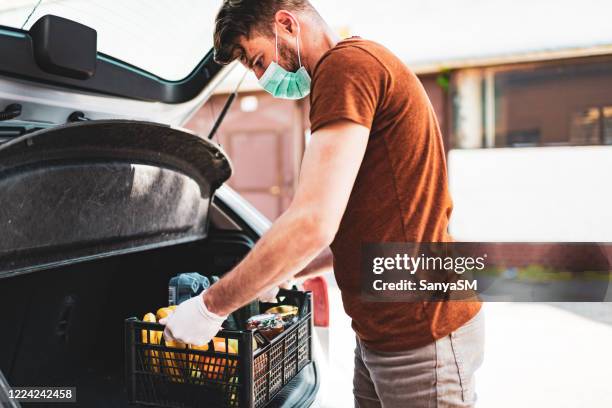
{"x":161,"y":375}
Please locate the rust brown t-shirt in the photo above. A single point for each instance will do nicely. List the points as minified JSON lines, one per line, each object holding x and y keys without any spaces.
{"x":401,"y":191}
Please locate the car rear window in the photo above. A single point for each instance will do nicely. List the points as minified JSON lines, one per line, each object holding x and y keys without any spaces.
{"x":167,"y":38}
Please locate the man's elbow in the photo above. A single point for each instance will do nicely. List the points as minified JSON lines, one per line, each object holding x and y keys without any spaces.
{"x":319,"y":231}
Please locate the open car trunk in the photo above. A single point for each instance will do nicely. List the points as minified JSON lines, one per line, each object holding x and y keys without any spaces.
{"x":96,"y":218}
{"x":65,"y":327}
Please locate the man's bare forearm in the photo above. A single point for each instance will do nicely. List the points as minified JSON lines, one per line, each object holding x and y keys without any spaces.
{"x":319,"y":266}
{"x":329,"y":168}
{"x":291,"y":243}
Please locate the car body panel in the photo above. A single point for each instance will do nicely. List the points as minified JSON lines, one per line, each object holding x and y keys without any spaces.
{"x":107,"y":75}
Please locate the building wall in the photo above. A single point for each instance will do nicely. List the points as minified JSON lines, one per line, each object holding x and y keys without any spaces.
{"x":573,"y":257}
{"x":542,"y":194}
{"x":439,"y":100}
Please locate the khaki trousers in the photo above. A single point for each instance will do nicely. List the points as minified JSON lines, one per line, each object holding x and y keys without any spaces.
{"x":439,"y":375}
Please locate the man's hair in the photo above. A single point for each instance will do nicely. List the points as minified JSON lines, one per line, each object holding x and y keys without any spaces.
{"x":238,"y":18}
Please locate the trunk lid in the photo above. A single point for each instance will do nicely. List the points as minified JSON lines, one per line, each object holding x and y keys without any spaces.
{"x":93,"y":189}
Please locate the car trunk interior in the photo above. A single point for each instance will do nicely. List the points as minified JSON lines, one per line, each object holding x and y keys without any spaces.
{"x":65,"y":326}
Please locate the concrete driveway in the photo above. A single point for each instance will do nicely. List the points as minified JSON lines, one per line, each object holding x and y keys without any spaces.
{"x":537,"y":356}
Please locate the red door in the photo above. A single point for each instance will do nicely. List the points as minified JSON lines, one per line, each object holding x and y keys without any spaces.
{"x":265,"y":144}
{"x":258,"y":169}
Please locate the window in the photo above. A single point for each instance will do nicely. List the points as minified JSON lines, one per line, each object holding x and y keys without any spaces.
{"x":164,"y":37}
{"x":549,"y":104}
{"x":607,"y":124}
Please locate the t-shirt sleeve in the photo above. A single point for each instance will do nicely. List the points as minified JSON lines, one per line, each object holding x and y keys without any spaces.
{"x":347,"y":85}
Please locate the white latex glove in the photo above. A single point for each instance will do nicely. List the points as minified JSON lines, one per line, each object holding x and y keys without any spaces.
{"x":192,"y":323}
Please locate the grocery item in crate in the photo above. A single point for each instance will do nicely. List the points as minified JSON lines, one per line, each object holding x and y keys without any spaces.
{"x":214,"y":367}
{"x":172,"y":363}
{"x":151,"y":337}
{"x":185,"y":286}
{"x":288,"y":313}
{"x":270,"y":325}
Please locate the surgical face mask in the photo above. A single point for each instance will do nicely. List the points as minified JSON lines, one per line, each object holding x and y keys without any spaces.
{"x":283,"y":84}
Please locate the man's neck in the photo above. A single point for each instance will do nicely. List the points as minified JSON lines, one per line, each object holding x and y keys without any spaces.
{"x":323,"y":39}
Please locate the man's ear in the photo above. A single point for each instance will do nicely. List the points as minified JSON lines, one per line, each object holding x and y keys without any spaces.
{"x":286,"y":23}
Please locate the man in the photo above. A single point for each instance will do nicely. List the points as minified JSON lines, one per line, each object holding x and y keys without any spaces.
{"x":374,"y":171}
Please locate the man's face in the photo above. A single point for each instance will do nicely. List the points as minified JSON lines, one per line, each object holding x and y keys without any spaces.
{"x":260,"y":52}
